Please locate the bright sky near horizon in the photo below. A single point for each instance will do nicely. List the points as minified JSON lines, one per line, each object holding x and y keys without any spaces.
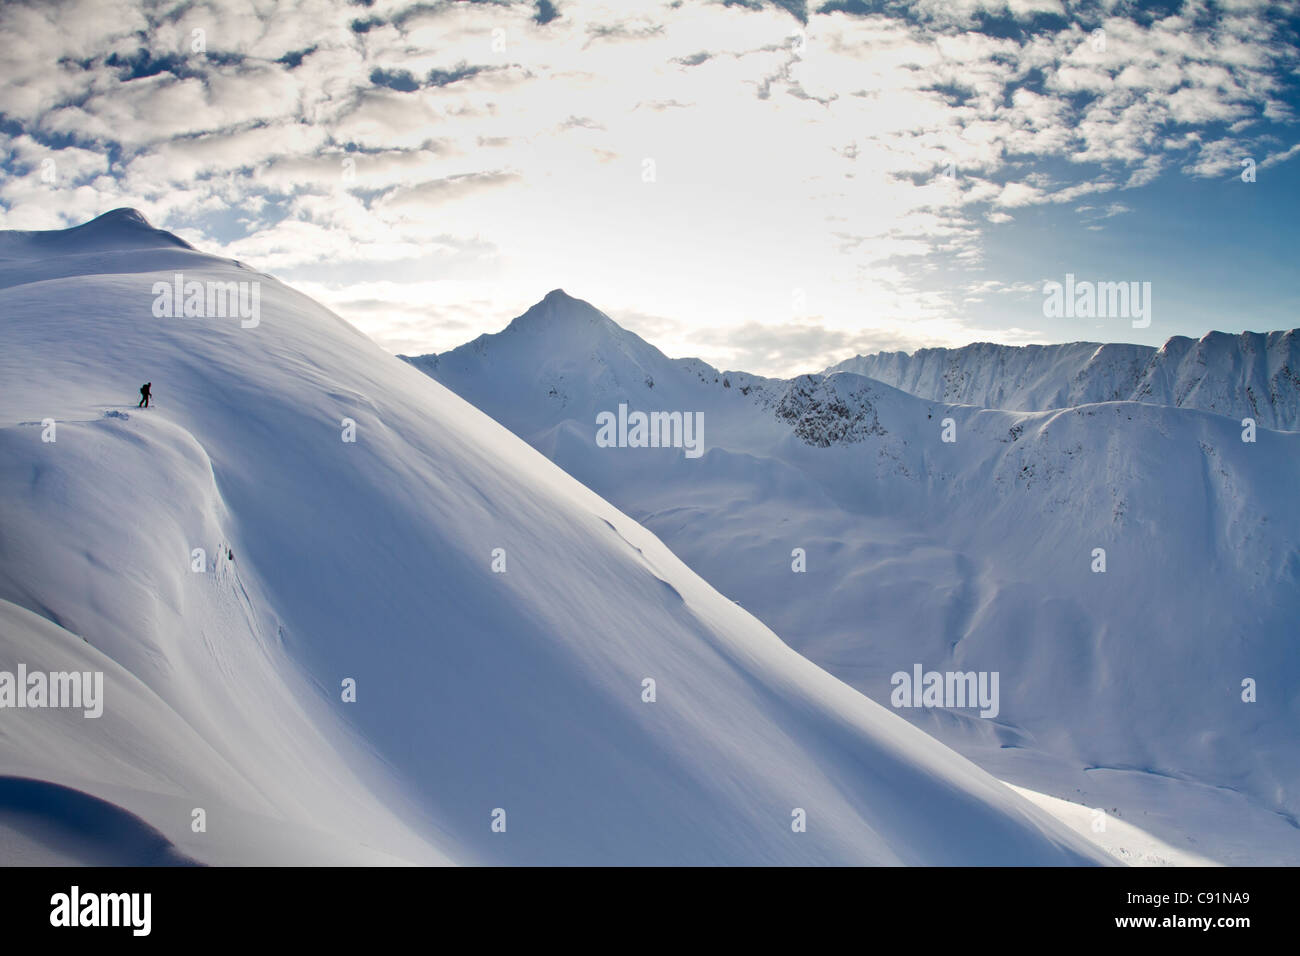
{"x":772,"y":186}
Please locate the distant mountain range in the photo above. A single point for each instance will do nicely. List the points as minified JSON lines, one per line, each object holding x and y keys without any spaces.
{"x":1254,"y":374}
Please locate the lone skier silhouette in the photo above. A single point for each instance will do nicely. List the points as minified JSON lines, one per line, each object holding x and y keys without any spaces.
{"x":144,"y":395}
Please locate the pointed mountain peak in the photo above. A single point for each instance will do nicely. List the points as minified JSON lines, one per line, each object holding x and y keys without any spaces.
{"x":558,"y":309}
{"x":558,"y":299}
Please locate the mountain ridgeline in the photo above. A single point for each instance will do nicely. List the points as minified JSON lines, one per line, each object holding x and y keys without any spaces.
{"x":1251,"y":375}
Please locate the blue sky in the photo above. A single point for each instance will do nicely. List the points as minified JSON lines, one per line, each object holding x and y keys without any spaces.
{"x":770,"y":186}
{"x":1220,"y":254}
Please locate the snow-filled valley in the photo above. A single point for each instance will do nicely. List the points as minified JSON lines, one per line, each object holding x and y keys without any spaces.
{"x":1128,"y":568}
{"x":343,"y":616}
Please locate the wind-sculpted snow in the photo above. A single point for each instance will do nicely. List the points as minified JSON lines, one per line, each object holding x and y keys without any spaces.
{"x":343,"y":616}
{"x":1255,"y":375}
{"x":1128,"y":568}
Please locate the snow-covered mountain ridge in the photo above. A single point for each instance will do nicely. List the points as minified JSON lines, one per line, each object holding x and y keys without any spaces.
{"x":1253,"y":374}
{"x":1125,"y":566}
{"x":350,"y":619}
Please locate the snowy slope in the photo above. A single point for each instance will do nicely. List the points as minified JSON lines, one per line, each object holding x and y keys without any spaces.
{"x":1252,"y":374}
{"x":1120,"y":688}
{"x":1021,"y":378}
{"x":372,"y":560}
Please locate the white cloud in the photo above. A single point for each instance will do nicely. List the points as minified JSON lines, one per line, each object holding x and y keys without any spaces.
{"x":516,"y":155}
